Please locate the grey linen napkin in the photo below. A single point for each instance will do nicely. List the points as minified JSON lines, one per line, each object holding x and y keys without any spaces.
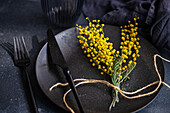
{"x":154,"y":16}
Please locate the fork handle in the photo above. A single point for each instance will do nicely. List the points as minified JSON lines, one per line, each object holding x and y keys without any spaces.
{"x":31,"y":91}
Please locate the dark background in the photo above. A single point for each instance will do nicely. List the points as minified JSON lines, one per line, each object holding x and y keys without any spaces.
{"x":25,"y":18}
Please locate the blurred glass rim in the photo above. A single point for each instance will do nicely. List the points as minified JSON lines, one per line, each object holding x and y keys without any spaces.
{"x":62,"y":12}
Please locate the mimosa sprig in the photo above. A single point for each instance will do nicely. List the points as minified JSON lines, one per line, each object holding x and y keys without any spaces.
{"x":117,"y":63}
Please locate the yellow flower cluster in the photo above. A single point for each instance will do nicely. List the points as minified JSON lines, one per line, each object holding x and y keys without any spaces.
{"x":130,"y":43}
{"x":102,"y":53}
{"x":116,"y":63}
{"x":96,"y":46}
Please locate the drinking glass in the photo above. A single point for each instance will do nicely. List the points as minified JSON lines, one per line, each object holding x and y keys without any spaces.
{"x":63,"y":13}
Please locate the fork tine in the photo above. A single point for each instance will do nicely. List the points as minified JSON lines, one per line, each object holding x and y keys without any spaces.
{"x":24,"y":47}
{"x":8,"y":47}
{"x":19,"y":48}
{"x":15,"y":49}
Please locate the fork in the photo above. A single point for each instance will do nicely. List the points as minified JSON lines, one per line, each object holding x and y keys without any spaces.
{"x":9,"y":48}
{"x":22,"y":60}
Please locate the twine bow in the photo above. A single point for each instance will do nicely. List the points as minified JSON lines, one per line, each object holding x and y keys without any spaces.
{"x":123,"y":93}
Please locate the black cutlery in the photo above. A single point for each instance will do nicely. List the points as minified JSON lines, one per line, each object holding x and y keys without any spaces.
{"x":57,"y":59}
{"x":21,"y":59}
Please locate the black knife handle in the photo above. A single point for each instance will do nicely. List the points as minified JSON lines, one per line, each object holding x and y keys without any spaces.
{"x":72,"y":86}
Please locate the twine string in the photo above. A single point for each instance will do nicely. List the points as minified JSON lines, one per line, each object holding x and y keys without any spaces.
{"x":123,"y":93}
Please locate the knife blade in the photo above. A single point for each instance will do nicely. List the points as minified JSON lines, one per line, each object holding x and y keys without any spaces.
{"x":57,"y":59}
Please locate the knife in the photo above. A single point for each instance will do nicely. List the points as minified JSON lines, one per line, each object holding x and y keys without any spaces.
{"x":57,"y":59}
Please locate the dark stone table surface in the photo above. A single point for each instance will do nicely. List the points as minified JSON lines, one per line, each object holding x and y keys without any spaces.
{"x":25,"y":18}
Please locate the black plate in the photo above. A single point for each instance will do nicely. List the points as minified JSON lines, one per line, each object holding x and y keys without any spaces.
{"x":96,"y":98}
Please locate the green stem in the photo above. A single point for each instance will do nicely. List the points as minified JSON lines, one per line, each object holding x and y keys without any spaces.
{"x":115,"y":98}
{"x":127,"y":75}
